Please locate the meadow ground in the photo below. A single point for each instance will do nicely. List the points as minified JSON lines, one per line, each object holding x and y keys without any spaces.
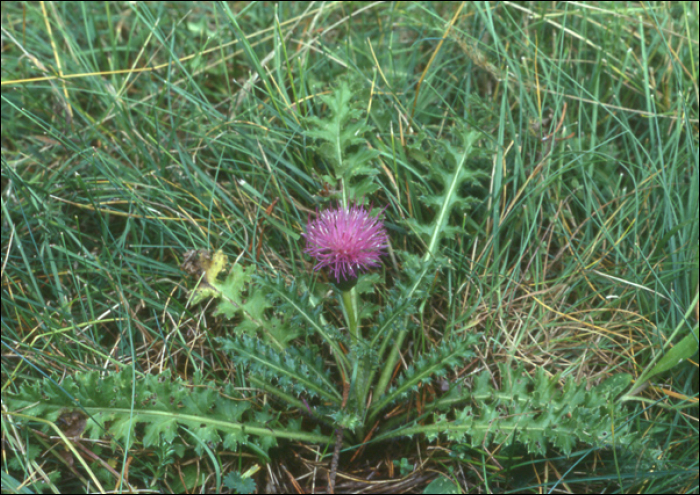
{"x":532,"y":325}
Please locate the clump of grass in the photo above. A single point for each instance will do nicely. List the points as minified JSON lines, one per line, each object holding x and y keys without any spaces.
{"x":133,"y":136}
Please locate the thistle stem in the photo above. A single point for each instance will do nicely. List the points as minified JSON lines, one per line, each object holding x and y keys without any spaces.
{"x":350,"y":304}
{"x":361,"y":372}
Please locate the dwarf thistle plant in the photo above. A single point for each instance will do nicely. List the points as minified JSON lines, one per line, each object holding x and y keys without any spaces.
{"x":358,"y":387}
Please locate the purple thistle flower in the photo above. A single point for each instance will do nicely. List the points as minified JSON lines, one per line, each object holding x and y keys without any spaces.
{"x":347,"y":241}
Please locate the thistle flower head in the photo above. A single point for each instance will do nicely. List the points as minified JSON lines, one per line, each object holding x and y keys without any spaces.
{"x":346,"y":240}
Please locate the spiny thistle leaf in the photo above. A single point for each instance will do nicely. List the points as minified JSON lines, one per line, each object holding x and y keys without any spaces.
{"x":303,"y":314}
{"x":113,"y":405}
{"x":536,"y":411}
{"x":342,"y":143}
{"x":240,"y":297}
{"x":447,"y":355}
{"x":238,"y":483}
{"x":297,"y":371}
{"x":337,"y":131}
{"x":451,"y":178}
{"x":390,"y":320}
{"x":413,"y":269}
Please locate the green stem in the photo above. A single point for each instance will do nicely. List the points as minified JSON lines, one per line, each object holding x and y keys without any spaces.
{"x":360,"y":367}
{"x":351,"y":313}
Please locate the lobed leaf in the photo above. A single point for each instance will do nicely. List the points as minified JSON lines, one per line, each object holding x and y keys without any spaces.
{"x":240,"y":297}
{"x":450,"y":179}
{"x":296,"y":371}
{"x":447,"y":355}
{"x":343,"y":144}
{"x":534,"y":411}
{"x":113,"y":405}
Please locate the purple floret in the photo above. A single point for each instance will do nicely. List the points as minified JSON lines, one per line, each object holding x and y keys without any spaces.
{"x":347,"y":241}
